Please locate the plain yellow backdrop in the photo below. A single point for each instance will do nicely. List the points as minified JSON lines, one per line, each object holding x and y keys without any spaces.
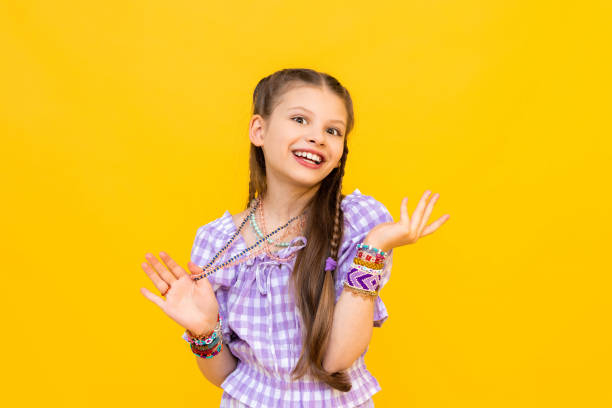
{"x":124,"y":129}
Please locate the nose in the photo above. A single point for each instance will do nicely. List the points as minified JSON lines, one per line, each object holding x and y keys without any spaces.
{"x":316,"y":138}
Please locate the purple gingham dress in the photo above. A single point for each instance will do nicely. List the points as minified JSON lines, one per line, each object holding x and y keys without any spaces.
{"x":262,"y":322}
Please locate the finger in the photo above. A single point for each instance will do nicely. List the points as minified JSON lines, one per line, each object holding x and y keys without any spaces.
{"x":194,"y":268}
{"x":418,"y":212}
{"x":197,"y":270}
{"x":404,"y":218}
{"x":428,"y":211}
{"x":435,"y":225}
{"x":159,"y":283}
{"x":175,"y":268}
{"x":153,"y":298}
{"x":161,"y":269}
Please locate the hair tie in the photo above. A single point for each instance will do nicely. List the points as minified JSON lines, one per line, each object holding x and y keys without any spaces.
{"x":330,"y":264}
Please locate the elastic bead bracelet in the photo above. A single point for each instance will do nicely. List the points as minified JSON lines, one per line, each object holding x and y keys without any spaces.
{"x":206,"y":345}
{"x":201,"y":339}
{"x":207,"y":353}
{"x":371,"y":248}
{"x":366,"y":256}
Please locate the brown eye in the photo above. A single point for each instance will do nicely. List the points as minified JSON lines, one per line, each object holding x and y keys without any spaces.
{"x":337,"y":130}
{"x":297,"y":117}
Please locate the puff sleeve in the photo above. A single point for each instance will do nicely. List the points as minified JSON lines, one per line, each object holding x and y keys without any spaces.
{"x":209,"y":239}
{"x":361,"y":214}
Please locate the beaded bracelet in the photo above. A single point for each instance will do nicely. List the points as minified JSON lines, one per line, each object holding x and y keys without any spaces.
{"x":375,"y":272}
{"x":371,"y":265}
{"x":366,"y":293}
{"x":206,"y":345}
{"x":371,"y":249}
{"x":207,"y":353}
{"x":366,"y":256}
{"x":362,"y":278}
{"x":204,"y":339}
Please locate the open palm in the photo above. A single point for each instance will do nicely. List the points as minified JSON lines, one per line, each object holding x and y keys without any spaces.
{"x":190,"y":303}
{"x":407,"y":230}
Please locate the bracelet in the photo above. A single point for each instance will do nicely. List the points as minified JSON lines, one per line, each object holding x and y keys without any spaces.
{"x":218,"y":339}
{"x":365,"y":269}
{"x":207,"y":338}
{"x":371,"y":265}
{"x":362,"y":278}
{"x":207,"y":353}
{"x":366,"y":256}
{"x":206,"y":345}
{"x":371,"y":248}
{"x":365,"y":293}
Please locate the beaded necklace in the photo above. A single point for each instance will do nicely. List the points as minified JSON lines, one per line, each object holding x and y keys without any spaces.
{"x":209,"y":269}
{"x":261,"y":235}
{"x":296,"y":228}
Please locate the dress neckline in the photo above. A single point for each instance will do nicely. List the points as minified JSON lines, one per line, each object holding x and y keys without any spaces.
{"x":240,"y":242}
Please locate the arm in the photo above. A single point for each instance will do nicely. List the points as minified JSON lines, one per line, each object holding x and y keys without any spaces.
{"x":216,"y":369}
{"x":351,"y":328}
{"x":351,"y":331}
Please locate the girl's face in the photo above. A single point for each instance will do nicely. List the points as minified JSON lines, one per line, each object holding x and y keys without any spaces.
{"x":303,"y":139}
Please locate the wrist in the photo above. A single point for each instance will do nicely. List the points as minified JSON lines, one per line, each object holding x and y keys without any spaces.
{"x":205,"y":329}
{"x":373,"y":241}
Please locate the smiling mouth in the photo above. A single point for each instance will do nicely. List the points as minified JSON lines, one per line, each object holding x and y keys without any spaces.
{"x":308,"y":157}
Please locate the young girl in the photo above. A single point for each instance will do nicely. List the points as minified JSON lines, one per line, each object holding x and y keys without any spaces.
{"x":286,"y":312}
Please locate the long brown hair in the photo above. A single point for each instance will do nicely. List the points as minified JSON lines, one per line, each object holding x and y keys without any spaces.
{"x":313,"y":286}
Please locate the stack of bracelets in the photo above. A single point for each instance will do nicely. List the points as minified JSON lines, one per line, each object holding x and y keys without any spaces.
{"x":206,"y":345}
{"x":366,"y":271}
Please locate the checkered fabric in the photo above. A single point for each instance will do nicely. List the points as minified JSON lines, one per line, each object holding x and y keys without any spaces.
{"x":262,"y":324}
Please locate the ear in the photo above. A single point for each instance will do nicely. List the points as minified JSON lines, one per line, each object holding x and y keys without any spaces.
{"x":256,"y":130}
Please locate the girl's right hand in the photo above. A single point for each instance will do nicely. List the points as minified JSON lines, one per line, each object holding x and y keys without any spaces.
{"x":190,"y":303}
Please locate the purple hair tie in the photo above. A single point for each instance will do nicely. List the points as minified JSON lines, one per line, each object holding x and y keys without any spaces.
{"x":330,"y":264}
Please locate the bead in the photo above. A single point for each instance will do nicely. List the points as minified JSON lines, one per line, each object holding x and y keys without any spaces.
{"x":208,"y":269}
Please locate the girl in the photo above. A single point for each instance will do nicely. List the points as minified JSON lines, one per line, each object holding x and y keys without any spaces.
{"x":286,"y":312}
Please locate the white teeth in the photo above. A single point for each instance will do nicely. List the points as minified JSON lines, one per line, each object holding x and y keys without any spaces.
{"x":313,"y":157}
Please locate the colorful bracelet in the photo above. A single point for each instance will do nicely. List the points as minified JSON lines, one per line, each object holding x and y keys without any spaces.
{"x":371,"y":265}
{"x":205,"y":339}
{"x":207,"y":353}
{"x":371,"y":249}
{"x":366,"y":293}
{"x":366,"y":256}
{"x":363,"y":279}
{"x":207,"y":345}
{"x":365,"y":269}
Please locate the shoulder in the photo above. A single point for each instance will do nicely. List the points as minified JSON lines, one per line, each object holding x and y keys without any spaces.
{"x":363,"y":212}
{"x":211,"y":237}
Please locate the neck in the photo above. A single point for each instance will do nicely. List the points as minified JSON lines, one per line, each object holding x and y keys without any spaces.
{"x":283,"y":201}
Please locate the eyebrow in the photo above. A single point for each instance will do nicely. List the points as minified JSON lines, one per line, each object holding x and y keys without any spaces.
{"x":301,"y":107}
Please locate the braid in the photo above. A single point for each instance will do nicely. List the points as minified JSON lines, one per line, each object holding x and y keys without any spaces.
{"x":336,"y":235}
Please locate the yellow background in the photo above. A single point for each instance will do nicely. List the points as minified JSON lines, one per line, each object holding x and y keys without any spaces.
{"x":124,"y":129}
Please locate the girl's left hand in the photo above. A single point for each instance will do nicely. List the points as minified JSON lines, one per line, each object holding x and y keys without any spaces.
{"x":407,"y":230}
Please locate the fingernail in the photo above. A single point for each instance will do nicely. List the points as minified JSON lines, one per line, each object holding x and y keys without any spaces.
{"x":162,"y":253}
